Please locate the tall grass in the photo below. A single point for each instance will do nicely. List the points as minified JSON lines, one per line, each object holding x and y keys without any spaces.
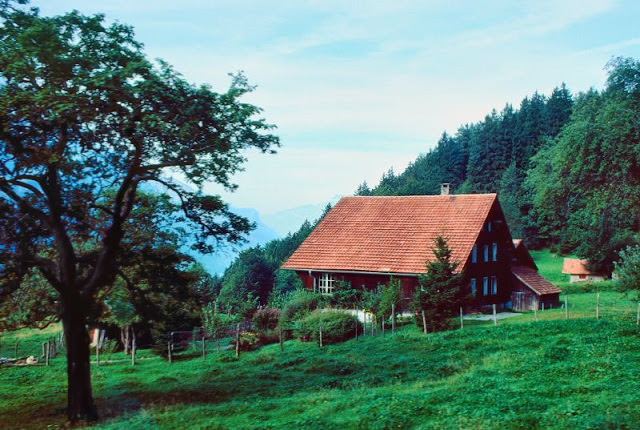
{"x":553,"y":373}
{"x":522,"y":374}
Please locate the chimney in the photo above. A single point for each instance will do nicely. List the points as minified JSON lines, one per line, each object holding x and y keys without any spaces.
{"x":444,"y":189}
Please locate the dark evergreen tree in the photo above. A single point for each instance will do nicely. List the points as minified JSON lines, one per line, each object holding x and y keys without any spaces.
{"x":441,"y":291}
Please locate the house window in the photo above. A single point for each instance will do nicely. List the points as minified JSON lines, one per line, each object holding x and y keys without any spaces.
{"x":489,"y":226}
{"x":494,"y":252}
{"x":473,"y":287}
{"x":485,"y":286}
{"x":494,"y":285}
{"x":486,"y":253}
{"x":325,"y":285}
{"x":474,"y":253}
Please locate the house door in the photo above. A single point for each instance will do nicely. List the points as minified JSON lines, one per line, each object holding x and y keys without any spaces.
{"x":517,"y":299}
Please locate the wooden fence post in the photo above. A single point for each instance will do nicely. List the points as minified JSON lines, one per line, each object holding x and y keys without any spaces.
{"x":238,"y":340}
{"x":495,"y":316}
{"x":566,"y":306}
{"x":393,"y":318}
{"x":46,"y":354}
{"x":15,"y":351}
{"x":461,"y":320}
{"x":98,"y":352}
{"x":535,"y":311}
{"x":373,"y":324}
{"x":638,"y":316}
{"x":364,"y":323}
{"x":204,"y":348}
{"x":598,"y":306}
{"x":133,"y":350}
{"x":383,"y":326}
{"x":424,"y":322}
{"x":357,"y":324}
{"x":282,"y":342}
{"x":320,"y":334}
{"x":169,"y":352}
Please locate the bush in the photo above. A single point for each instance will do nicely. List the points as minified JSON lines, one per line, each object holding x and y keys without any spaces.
{"x":265,"y":322}
{"x":345,"y":296}
{"x":248,"y":341}
{"x":337,"y":326}
{"x":588,"y":287}
{"x":266,"y":319}
{"x":301,"y":304}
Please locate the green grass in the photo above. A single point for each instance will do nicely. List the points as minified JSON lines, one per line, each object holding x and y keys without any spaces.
{"x":553,"y":373}
{"x":550,"y":373}
{"x":549,"y":265}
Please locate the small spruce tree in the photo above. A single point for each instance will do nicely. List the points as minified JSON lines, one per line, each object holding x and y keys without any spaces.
{"x":440,"y":292}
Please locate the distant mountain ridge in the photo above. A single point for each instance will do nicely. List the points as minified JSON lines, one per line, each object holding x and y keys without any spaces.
{"x":217,"y":262}
{"x":290,"y":220}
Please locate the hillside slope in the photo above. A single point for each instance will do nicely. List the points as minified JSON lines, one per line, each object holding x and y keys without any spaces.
{"x":556,"y":373}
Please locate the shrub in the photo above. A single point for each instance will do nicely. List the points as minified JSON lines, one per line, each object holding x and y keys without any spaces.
{"x":337,"y":326}
{"x":265,"y":322}
{"x":248,"y":341}
{"x":345,"y":296}
{"x":587,"y":287}
{"x":302,"y":303}
{"x":266,"y":319}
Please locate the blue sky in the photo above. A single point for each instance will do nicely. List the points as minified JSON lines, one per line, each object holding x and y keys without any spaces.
{"x":358,"y":87}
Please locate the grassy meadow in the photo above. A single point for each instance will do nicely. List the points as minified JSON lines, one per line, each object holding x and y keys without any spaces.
{"x":550,"y":373}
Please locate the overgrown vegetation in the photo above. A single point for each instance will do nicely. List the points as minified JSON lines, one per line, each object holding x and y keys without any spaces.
{"x":336,"y":326}
{"x":551,"y":373}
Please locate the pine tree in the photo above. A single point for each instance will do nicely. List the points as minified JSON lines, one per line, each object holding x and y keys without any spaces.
{"x":440,"y":293}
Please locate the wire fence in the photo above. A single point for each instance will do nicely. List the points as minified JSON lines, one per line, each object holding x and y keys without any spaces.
{"x":177,"y":345}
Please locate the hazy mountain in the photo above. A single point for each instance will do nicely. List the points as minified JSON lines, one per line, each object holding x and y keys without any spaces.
{"x":218,"y":262}
{"x":289,"y":220}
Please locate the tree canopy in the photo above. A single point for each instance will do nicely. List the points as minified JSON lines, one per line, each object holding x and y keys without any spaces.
{"x":85,"y":120}
{"x":566,"y":167}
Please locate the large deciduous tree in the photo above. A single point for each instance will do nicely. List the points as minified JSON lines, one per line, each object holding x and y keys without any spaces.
{"x":587,"y":180}
{"x":85,"y":120}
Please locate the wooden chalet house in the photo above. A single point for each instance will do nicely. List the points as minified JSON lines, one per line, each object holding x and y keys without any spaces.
{"x":366,"y":240}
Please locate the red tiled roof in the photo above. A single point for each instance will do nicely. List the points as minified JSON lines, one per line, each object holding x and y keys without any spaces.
{"x":392,"y":234}
{"x":575,"y":266}
{"x":532,"y":279}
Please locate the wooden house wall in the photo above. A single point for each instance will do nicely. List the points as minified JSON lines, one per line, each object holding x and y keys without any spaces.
{"x":507,"y":284}
{"x":524,"y":298}
{"x":364,"y":281}
{"x":500,"y":235}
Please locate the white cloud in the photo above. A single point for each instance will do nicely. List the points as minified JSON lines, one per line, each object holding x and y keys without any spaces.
{"x":356,"y":87}
{"x":295,"y":177}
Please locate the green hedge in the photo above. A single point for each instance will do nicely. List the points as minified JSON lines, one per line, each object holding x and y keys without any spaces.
{"x":301,"y":304}
{"x":337,"y":326}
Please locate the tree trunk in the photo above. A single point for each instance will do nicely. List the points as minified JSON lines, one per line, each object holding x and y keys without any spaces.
{"x":80,"y":405}
{"x":124,"y":338}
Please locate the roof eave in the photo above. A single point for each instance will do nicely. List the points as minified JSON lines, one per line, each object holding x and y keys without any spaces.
{"x":353,"y":272}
